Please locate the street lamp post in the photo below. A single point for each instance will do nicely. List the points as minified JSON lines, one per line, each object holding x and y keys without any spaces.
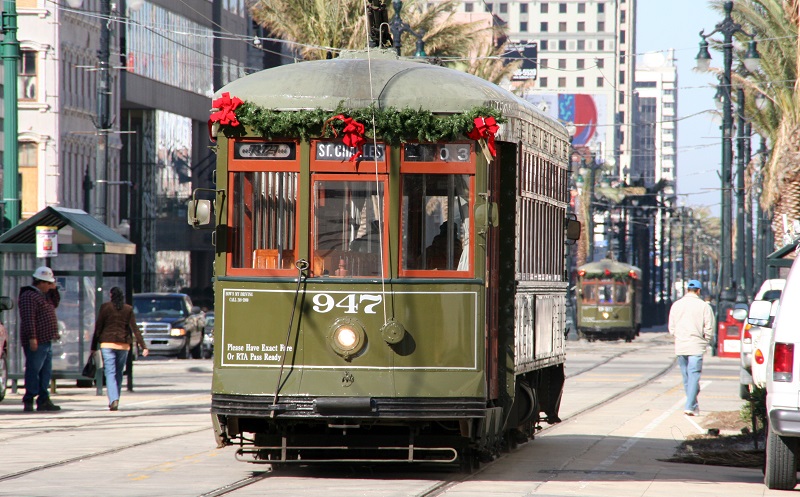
{"x":398,"y":27}
{"x":10,"y":123}
{"x":728,"y":28}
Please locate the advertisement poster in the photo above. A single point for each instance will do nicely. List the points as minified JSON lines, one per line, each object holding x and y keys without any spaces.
{"x":589,"y":114}
{"x":46,"y":241}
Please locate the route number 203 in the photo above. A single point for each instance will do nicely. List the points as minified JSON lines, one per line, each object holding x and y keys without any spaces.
{"x":352,"y":303}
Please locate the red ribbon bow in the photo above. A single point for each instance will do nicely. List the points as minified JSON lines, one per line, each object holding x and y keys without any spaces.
{"x":226,"y":106}
{"x":485,"y":127}
{"x":353,"y":134}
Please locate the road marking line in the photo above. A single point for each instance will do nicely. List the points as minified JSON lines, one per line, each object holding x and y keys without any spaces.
{"x":625,"y":447}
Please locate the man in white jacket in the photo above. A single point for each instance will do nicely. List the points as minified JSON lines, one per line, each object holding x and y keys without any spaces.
{"x":691,"y":322}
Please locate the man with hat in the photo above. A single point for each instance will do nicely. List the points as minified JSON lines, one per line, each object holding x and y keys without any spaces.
{"x":38,"y":328}
{"x":691,"y":322}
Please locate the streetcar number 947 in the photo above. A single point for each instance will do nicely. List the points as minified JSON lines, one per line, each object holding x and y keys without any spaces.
{"x":352,"y":303}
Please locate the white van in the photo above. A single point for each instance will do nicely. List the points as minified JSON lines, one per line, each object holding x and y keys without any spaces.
{"x":783,"y":387}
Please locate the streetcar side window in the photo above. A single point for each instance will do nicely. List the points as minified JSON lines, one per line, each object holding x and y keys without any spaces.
{"x":264,"y":216}
{"x":348,"y":237}
{"x":435,"y":222}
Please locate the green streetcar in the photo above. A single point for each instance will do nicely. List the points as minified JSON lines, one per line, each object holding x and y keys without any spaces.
{"x":391,"y":292}
{"x":609,"y":300}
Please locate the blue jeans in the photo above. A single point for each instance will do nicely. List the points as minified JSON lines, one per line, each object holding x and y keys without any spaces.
{"x":38,"y":370}
{"x":114,"y":365}
{"x":691,"y":367}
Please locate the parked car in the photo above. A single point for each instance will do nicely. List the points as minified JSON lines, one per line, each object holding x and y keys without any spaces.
{"x":758,"y":332}
{"x":208,"y":344}
{"x":783,"y":387}
{"x":170,"y":324}
{"x":5,"y":304}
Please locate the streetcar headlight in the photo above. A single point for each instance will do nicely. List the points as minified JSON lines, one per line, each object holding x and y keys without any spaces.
{"x":605,"y":315}
{"x":177,"y":332}
{"x":347,"y":337}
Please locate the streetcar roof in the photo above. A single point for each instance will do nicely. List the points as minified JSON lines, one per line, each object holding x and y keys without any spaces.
{"x":355,"y":81}
{"x":613,"y":267}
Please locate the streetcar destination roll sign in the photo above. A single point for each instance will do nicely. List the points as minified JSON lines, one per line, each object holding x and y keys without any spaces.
{"x":338,"y":151}
{"x":265,"y":151}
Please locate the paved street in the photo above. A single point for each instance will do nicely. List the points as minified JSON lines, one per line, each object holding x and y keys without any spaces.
{"x":161,"y":443}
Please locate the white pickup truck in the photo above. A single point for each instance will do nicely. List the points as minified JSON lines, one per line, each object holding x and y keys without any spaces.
{"x":757,"y":332}
{"x":783,"y":387}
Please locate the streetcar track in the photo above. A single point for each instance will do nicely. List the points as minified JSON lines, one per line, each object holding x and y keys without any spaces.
{"x":93,"y":422}
{"x":655,"y":342}
{"x":436,"y":490}
{"x":443,"y":486}
{"x":92,"y":455}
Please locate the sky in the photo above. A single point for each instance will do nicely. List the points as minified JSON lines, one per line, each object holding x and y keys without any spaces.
{"x":677,"y":24}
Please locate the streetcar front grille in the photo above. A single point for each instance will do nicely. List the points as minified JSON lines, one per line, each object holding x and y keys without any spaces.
{"x":368,"y":408}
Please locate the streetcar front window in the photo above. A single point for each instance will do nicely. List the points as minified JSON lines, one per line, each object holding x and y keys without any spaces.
{"x":348,"y":237}
{"x":264,"y":215}
{"x":605,"y":293}
{"x":435,"y":222}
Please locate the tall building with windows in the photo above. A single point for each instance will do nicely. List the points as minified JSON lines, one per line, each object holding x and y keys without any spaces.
{"x":585,"y":73}
{"x":656,"y":92}
{"x":165,"y":61}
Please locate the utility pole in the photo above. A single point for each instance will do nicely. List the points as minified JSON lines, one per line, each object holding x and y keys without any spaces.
{"x":10,"y":123}
{"x":103,"y":113}
{"x":738,"y":267}
{"x":747,"y":199}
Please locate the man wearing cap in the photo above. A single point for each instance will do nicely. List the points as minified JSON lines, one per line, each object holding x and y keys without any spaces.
{"x":691,"y":322}
{"x":38,"y":328}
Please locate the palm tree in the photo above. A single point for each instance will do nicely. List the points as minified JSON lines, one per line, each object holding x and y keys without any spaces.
{"x":321,"y":27}
{"x":775,"y":23}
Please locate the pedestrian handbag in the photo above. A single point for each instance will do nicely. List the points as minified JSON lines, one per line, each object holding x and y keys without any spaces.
{"x":94,"y":362}
{"x":134,"y":343}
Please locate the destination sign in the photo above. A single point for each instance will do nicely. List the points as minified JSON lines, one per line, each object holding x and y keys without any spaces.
{"x":338,"y":151}
{"x":265,"y":151}
{"x":436,"y":152}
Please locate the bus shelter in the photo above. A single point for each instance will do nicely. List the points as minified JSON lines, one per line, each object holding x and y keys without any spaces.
{"x":88,"y":258}
{"x":780,"y":261}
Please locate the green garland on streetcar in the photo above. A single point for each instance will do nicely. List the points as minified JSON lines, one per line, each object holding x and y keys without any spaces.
{"x":392,"y":126}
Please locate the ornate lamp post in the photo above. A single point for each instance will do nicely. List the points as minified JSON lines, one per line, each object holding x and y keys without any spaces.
{"x":398,"y":27}
{"x":728,"y":28}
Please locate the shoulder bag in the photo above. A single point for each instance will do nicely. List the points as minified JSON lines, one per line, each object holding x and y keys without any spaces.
{"x":94,"y":362}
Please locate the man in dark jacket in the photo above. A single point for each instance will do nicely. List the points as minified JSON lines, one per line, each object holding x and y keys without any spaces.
{"x":38,"y":328}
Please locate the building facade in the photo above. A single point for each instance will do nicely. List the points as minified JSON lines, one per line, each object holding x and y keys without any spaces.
{"x":586,"y":68}
{"x":135,"y":169}
{"x":656,"y":131}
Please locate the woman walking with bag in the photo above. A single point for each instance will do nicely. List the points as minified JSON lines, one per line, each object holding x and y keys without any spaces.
{"x":114,"y":333}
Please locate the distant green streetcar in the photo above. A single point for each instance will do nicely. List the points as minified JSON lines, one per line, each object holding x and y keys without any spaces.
{"x":389,"y":278}
{"x":609,"y":300}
